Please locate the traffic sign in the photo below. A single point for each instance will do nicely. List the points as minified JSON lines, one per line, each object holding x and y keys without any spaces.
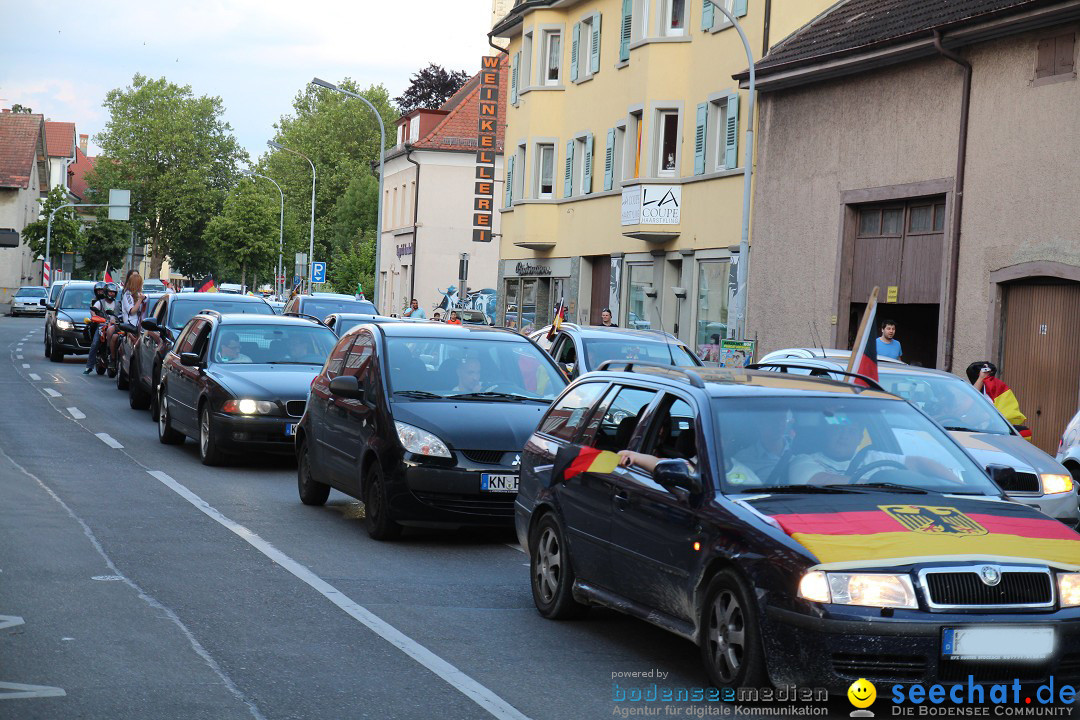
{"x":46,"y":273}
{"x":119,"y":204}
{"x":318,"y":272}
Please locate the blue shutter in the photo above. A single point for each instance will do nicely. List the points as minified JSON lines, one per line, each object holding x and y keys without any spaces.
{"x":609,"y":160}
{"x":508,"y":191}
{"x":575,"y":41}
{"x":587,"y":180}
{"x":740,"y":8}
{"x":627,"y":27}
{"x":731,"y":132}
{"x":707,"y":11}
{"x":568,"y":178}
{"x":594,"y":50}
{"x":700,"y":133}
{"x":514,"y":78}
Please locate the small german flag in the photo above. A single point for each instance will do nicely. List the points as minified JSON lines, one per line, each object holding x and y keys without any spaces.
{"x":573,"y":460}
{"x":1005,"y":401}
{"x":208,"y":285}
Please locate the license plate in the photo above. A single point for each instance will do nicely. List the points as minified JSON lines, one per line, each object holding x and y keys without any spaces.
{"x":998,"y":643}
{"x":290,"y":429}
{"x":498,"y":483}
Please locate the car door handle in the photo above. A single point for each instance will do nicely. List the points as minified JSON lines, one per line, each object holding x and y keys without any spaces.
{"x":622,"y":500}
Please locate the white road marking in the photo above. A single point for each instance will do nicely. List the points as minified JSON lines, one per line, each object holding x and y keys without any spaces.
{"x":7,"y":621}
{"x":34,"y":376}
{"x":52,"y":393}
{"x":11,"y":691}
{"x":108,"y":440}
{"x":76,"y":413}
{"x":107,"y":578}
{"x":454,"y":677}
{"x":26,"y":365}
{"x":149,"y":600}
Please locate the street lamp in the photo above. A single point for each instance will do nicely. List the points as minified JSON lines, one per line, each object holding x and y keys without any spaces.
{"x":382,"y":160}
{"x":748,"y":173}
{"x":279,"y":290}
{"x":311,"y":243}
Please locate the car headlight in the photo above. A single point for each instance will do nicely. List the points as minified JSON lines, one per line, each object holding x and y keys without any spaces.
{"x":247,"y":406}
{"x":1069,"y":589}
{"x":865,"y":589}
{"x":420,"y":442}
{"x":1052,"y":484}
{"x":64,"y":324}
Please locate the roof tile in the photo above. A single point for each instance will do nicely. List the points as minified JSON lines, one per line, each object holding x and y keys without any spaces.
{"x":60,"y":139}
{"x":458,"y":130}
{"x":20,"y":137}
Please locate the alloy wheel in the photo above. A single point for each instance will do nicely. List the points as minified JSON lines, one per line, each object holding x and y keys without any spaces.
{"x":163,"y":409}
{"x":727,"y":635}
{"x":549,"y":569}
{"x":204,"y":432}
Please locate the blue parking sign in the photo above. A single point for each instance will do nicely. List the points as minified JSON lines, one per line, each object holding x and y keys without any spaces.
{"x":318,"y":272}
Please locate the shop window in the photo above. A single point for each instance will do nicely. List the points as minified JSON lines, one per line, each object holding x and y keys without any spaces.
{"x":639,"y":307}
{"x":713,"y":296}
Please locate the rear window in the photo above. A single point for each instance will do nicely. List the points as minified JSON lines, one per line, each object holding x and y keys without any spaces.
{"x":38,"y":292}
{"x":182,"y":311}
{"x":321,"y":307}
{"x":633,"y":348}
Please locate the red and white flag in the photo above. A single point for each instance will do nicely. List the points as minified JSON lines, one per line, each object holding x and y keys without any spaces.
{"x":864,"y":352}
{"x":46,"y":272}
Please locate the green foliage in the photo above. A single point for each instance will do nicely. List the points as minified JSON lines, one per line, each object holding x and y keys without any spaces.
{"x":105,"y":243}
{"x":18,"y":108}
{"x":177,"y":155}
{"x":430,"y":87}
{"x":354,"y":264}
{"x":244,"y":237}
{"x":65,"y":227}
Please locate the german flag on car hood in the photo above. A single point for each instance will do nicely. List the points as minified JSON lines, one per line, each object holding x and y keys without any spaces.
{"x":899,"y":529}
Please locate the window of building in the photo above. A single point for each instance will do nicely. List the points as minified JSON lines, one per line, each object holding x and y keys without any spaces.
{"x":401,"y":134}
{"x":519,"y":172}
{"x":713,"y":298}
{"x":638,"y":306}
{"x":881,"y":222}
{"x":667,"y":143}
{"x":640,"y":19}
{"x":1055,"y":57}
{"x":717,"y":139}
{"x":633,"y":146}
{"x":545,"y":171}
{"x":713,"y":19}
{"x":674,"y":18}
{"x":617,"y":154}
{"x":552,"y":64}
{"x":582,"y":169}
{"x":414,"y":129}
{"x":587,"y":47}
{"x":526,"y":60}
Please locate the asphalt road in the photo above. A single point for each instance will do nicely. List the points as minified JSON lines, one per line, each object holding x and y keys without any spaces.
{"x":136,"y":583}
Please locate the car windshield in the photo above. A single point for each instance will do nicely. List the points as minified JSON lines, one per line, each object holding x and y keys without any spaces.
{"x":636,"y":348}
{"x":273,"y":344}
{"x":464,"y":366}
{"x":35,"y":292}
{"x":841,"y":442}
{"x":78,"y":298}
{"x":953,"y":402}
{"x":321,"y":307}
{"x":182,"y":311}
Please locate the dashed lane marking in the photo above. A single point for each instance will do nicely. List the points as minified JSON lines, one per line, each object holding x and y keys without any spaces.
{"x":13,"y":691}
{"x":76,"y":413}
{"x":7,"y":621}
{"x":456,"y":678}
{"x":34,"y":376}
{"x":52,"y":393}
{"x":26,"y":365}
{"x":108,"y":440}
{"x":18,"y":357}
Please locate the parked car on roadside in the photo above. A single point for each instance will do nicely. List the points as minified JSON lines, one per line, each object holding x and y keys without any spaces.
{"x":579,"y":349}
{"x":65,"y":321}
{"x":29,"y":300}
{"x":424,"y":422}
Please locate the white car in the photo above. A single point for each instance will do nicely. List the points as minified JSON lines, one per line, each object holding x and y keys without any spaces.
{"x":1068,"y":453}
{"x":29,"y":300}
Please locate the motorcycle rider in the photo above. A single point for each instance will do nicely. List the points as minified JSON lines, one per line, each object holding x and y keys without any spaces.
{"x":104,"y":300}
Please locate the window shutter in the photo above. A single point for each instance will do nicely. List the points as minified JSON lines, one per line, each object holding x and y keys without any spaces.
{"x":609,"y":160}
{"x":1066,"y":45}
{"x":587,"y":180}
{"x":731,"y":132}
{"x":575,"y":41}
{"x":627,"y":27}
{"x":707,"y":10}
{"x":568,"y":178}
{"x":1044,"y":66}
{"x":740,"y":8}
{"x":594,"y":50}
{"x":699,"y":138}
{"x":508,"y":191}
{"x":514,"y":78}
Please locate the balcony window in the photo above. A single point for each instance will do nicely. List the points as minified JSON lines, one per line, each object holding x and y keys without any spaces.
{"x":545,"y":183}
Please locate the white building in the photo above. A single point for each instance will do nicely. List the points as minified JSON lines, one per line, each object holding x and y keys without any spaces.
{"x":24,"y":179}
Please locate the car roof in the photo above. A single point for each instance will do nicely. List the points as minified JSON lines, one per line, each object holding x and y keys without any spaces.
{"x":31,"y":287}
{"x":79,"y":283}
{"x":333,"y":296}
{"x":840,"y":363}
{"x":600,"y":331}
{"x":443,"y":330}
{"x":360,"y":316}
{"x":204,"y":296}
{"x":817,"y":353}
{"x":249,"y":319}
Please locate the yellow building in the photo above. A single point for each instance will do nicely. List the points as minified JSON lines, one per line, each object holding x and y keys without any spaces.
{"x":624,"y":154}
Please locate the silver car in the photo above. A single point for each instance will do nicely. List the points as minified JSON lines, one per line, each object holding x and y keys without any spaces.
{"x":1069,"y":450}
{"x":1039,"y":481}
{"x":29,"y":300}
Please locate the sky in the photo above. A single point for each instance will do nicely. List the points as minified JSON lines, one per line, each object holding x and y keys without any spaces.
{"x":61,"y":57}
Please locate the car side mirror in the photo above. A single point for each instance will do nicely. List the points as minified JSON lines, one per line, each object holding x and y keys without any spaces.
{"x":673,"y":475}
{"x":1003,"y":476}
{"x":151,"y":323}
{"x":42,"y":302}
{"x":346,"y":386}
{"x":189,"y":359}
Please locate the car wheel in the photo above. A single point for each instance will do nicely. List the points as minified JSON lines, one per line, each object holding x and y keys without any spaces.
{"x":154,"y":382}
{"x":551,"y":571}
{"x":122,"y":379}
{"x":312,"y":492}
{"x":137,"y":397}
{"x":377,"y":506}
{"x":55,"y":353}
{"x":166,"y":434}
{"x":730,"y":638}
{"x":209,"y":452}
{"x":48,"y":349}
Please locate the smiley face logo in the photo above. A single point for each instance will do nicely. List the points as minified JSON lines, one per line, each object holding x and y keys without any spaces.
{"x":862,"y":693}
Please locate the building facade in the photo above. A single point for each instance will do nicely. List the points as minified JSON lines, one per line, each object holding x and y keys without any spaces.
{"x":24,"y":179}
{"x":624,"y":159}
{"x":870,"y":174}
{"x":428,"y":206}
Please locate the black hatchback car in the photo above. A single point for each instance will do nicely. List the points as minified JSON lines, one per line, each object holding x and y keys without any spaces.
{"x":322,"y":304}
{"x":800,"y":531}
{"x":424,"y":422}
{"x":65,"y":321}
{"x":239,"y":382}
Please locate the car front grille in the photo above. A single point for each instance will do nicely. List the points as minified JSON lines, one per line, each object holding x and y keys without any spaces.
{"x":1022,"y":482}
{"x":295,"y":408}
{"x":484,"y":457}
{"x":967,"y":589}
{"x":982,"y":671}
{"x":879,"y":667}
{"x":496,"y":507}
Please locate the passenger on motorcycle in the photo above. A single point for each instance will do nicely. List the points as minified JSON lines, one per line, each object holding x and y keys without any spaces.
{"x":101,"y":304}
{"x":131,"y":305}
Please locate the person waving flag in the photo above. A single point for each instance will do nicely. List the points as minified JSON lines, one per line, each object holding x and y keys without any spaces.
{"x":560,"y":317}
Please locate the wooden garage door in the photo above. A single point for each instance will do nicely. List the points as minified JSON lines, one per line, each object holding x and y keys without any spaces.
{"x":1040,"y":356}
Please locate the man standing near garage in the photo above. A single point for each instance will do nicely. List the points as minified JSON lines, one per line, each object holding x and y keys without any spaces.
{"x":887,"y":345}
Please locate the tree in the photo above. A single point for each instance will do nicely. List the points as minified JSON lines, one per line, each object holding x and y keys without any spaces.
{"x":178,"y":157}
{"x":430,"y":87}
{"x":105,"y":243}
{"x":355,"y":265}
{"x":17,"y":108}
{"x":65,"y":227}
{"x":244,"y":236}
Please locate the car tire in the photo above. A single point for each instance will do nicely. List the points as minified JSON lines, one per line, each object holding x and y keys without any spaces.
{"x":48,"y":349}
{"x":122,"y":379}
{"x":312,"y":492}
{"x":153,"y":393}
{"x":377,"y":506}
{"x":137,"y":397}
{"x":730,"y":642}
{"x":209,"y":452}
{"x":55,"y":353}
{"x":166,"y":434}
{"x":99,"y":368}
{"x":551,"y":572}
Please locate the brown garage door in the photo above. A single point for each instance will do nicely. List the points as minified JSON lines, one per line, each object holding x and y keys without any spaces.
{"x":1040,"y":356}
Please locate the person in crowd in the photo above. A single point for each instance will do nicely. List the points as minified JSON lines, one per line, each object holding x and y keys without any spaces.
{"x":229,"y":352}
{"x":436,"y":316}
{"x":454,"y":318}
{"x":100,"y":306}
{"x":414,"y":310}
{"x":983,"y":375}
{"x":771,"y":443}
{"x":887,"y":345}
{"x":131,"y":306}
{"x":605,"y":318}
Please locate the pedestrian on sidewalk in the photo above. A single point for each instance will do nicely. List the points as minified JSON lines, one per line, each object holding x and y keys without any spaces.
{"x":605,"y":318}
{"x":887,"y":345}
{"x":415,"y":311}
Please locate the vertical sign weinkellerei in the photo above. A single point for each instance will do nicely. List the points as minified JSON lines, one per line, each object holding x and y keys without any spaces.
{"x":486,"y":149}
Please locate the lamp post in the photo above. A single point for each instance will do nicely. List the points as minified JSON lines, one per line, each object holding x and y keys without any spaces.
{"x":748,"y":174}
{"x":382,"y":160}
{"x":279,"y":285}
{"x":311,"y":242}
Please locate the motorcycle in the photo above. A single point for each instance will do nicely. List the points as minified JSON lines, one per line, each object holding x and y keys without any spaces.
{"x":97,"y":324}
